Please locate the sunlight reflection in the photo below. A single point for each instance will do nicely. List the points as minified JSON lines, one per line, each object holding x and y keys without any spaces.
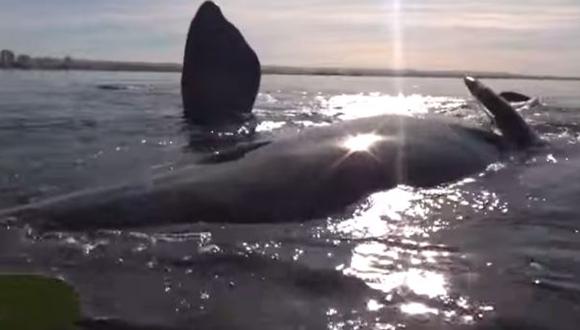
{"x":361,"y":142}
{"x":369,"y":220}
{"x":373,"y":305}
{"x":269,"y":126}
{"x":352,"y":106}
{"x":392,"y":252}
{"x":417,"y":309}
{"x":374,"y":263}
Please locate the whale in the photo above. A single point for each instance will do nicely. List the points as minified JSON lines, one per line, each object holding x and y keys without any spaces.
{"x":315,"y":173}
{"x":221,"y":72}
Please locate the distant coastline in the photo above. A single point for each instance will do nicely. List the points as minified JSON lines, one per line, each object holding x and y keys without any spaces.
{"x":9,"y":61}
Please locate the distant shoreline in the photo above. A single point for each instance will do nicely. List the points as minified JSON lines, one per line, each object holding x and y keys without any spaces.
{"x":55,"y":64}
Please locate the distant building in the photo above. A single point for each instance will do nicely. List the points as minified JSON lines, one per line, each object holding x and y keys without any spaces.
{"x":67,"y":63}
{"x":47,"y":63}
{"x":6,"y":58}
{"x":23,"y":61}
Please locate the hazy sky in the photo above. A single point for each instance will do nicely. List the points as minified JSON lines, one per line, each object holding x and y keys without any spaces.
{"x":522,"y":36}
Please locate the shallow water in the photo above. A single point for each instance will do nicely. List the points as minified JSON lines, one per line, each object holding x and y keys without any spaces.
{"x":498,"y":250}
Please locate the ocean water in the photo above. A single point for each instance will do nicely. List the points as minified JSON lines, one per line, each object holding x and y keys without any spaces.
{"x":497,"y":250}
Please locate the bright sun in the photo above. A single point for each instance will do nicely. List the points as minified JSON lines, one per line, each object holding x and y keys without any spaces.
{"x":361,"y":142}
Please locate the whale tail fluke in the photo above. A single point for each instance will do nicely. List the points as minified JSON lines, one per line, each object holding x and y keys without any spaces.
{"x":512,"y":126}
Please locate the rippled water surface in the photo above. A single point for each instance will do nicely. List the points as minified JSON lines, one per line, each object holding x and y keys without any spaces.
{"x":497,"y":250}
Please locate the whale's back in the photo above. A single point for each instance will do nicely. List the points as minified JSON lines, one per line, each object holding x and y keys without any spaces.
{"x":297,"y":178}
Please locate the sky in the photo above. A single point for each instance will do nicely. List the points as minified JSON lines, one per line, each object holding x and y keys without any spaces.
{"x":518,"y":36}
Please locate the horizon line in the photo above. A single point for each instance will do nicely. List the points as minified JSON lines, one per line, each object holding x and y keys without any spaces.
{"x":56,"y":63}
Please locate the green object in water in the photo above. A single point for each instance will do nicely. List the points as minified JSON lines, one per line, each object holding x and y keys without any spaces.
{"x":31,"y":302}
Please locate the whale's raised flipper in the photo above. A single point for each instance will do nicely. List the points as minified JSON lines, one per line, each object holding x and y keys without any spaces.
{"x":512,"y":126}
{"x":221,"y":72}
{"x":514,"y":96}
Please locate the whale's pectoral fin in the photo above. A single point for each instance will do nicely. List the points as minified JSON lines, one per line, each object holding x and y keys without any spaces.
{"x":233,"y":153}
{"x":221,"y":72}
{"x":521,"y":101}
{"x":514,"y":97}
{"x":512,"y":126}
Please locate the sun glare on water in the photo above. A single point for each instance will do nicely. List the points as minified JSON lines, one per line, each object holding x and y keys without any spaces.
{"x":361,"y":142}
